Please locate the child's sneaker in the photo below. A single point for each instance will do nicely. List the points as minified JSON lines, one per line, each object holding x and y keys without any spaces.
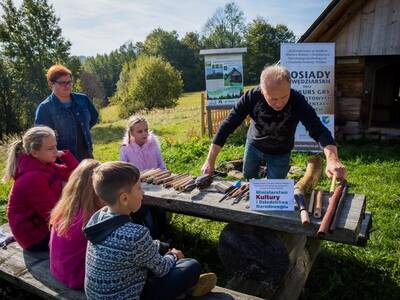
{"x":206,"y":283}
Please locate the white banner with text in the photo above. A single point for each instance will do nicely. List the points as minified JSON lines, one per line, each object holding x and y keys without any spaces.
{"x":312,"y":71}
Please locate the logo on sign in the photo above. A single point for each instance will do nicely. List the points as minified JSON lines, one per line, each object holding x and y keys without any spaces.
{"x":326,"y":119}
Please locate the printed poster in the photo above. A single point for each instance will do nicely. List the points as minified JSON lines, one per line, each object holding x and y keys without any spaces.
{"x":312,"y":71}
{"x":272,"y":194}
{"x":224,"y":79}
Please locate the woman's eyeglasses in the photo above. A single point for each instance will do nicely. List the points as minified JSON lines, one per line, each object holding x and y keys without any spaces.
{"x":64,"y":83}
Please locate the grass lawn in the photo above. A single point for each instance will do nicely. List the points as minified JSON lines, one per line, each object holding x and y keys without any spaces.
{"x":340,"y":271}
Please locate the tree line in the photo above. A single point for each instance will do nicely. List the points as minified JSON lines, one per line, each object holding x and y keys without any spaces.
{"x":31,"y":41}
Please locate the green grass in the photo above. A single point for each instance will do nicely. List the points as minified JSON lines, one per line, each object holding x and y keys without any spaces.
{"x":340,"y":271}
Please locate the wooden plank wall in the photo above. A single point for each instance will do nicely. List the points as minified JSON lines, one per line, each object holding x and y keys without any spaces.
{"x":374,"y":30}
{"x":349,"y":76}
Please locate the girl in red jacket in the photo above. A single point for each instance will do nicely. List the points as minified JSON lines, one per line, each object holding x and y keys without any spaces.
{"x":37,"y":187}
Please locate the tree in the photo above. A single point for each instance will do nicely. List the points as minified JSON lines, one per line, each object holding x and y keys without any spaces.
{"x":150,"y":83}
{"x":263,"y":46}
{"x":225,"y":28}
{"x":30,"y":42}
{"x":283,"y":35}
{"x":108,"y":66}
{"x":9,"y":122}
{"x":168,"y":46}
{"x":192,"y":40}
{"x":123,"y":83}
{"x":91,"y":85}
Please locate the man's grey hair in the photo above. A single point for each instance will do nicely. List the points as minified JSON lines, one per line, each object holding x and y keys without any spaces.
{"x":274,"y":73}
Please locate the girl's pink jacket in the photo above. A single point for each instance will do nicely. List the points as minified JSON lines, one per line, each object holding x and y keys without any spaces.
{"x":35,"y":192}
{"x":143,"y":157}
{"x":67,"y":254}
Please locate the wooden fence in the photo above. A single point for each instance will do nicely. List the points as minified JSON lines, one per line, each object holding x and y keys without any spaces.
{"x":211,"y":118}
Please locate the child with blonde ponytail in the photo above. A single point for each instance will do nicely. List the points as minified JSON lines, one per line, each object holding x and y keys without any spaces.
{"x":67,"y":242}
{"x":38,"y":183}
{"x":141,"y":148}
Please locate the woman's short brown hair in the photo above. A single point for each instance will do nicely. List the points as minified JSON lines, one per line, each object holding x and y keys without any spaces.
{"x":57,"y":71}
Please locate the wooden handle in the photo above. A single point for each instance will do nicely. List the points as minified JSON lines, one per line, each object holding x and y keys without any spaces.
{"x":239,"y":190}
{"x":182,"y":181}
{"x":305,"y":219}
{"x":318,"y":205}
{"x":146,"y":174}
{"x":339,"y":207}
{"x":330,"y":211}
{"x":182,"y":187}
{"x":175,"y":180}
{"x":157,"y":175}
{"x":311,"y":202}
{"x":159,"y":179}
{"x":333,"y":183}
{"x":299,"y":197}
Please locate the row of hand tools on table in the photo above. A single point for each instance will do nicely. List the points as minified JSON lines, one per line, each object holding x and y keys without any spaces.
{"x":186,"y":183}
{"x":181,"y":182}
{"x":237,"y":192}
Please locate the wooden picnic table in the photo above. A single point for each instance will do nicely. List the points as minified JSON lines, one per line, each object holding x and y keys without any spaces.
{"x":270,"y":253}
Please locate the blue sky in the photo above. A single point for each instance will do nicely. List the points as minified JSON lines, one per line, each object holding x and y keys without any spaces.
{"x":100,"y":26}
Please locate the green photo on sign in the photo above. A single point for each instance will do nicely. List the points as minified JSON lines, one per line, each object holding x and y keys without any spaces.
{"x":224,"y":76}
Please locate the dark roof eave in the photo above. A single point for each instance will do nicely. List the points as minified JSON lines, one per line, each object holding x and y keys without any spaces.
{"x":314,"y":25}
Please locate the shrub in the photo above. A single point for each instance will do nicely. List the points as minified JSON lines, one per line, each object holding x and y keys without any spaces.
{"x":149,"y":83}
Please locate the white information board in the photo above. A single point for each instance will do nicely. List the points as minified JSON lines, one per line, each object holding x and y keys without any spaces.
{"x":224,"y":79}
{"x":312,"y":71}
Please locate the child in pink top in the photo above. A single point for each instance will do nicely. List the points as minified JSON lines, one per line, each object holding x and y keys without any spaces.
{"x":67,"y":242}
{"x":142,"y":149}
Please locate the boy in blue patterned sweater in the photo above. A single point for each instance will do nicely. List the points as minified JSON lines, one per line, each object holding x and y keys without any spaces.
{"x":122,"y":260}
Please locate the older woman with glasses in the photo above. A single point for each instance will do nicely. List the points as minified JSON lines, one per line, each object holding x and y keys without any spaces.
{"x":71,"y":115}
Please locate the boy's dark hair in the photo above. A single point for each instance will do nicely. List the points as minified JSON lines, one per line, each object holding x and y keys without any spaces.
{"x":112,"y":178}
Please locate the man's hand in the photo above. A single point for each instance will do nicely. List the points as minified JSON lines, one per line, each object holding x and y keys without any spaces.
{"x":178,"y":253}
{"x":60,"y":153}
{"x":209,"y":165}
{"x":333,"y":164}
{"x":207,"y":168}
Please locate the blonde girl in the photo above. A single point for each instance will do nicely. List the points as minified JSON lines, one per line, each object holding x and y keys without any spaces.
{"x":37,"y":187}
{"x":142,"y":149}
{"x":67,"y":242}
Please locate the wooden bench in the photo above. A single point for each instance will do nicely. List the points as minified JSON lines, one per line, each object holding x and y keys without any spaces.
{"x":31,"y":272}
{"x":269,"y":253}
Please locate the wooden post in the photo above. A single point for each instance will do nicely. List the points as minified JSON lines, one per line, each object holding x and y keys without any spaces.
{"x":209,"y":122}
{"x":202,"y":114}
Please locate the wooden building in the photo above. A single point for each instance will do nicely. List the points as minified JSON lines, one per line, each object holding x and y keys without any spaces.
{"x":367,"y":70}
{"x":235,"y":76}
